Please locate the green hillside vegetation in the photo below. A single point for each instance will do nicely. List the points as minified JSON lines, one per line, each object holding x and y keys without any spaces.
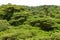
{"x":18,"y":22}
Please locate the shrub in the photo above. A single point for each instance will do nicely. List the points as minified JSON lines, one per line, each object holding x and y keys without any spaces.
{"x":17,"y":22}
{"x":47,"y":24}
{"x":55,"y":36}
{"x":44,"y":23}
{"x":3,"y":25}
{"x":8,"y":13}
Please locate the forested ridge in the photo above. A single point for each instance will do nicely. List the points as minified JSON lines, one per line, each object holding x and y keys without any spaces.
{"x":19,"y":22}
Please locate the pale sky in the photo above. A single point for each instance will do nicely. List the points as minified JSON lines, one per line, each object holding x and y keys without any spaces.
{"x":31,"y":2}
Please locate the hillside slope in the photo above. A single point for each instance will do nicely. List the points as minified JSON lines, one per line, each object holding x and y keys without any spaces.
{"x":29,"y":23}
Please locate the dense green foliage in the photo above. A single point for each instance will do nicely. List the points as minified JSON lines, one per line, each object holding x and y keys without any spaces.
{"x":29,"y":23}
